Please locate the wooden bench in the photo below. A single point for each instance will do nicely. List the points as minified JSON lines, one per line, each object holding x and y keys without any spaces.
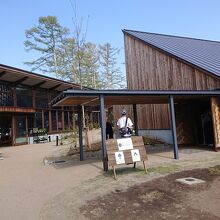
{"x":120,"y":152}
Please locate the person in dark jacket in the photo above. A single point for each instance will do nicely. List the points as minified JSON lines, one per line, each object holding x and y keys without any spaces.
{"x":109,"y":130}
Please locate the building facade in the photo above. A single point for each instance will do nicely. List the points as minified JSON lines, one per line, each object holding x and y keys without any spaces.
{"x":163,"y":62}
{"x":25,"y":105}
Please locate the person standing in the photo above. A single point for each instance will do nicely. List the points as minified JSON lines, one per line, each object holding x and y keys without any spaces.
{"x":125,"y":124}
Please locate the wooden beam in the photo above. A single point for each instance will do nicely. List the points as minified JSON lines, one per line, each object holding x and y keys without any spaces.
{"x":54,"y":87}
{"x":20,"y":80}
{"x":16,"y":109}
{"x":135,"y":119}
{"x":2,"y":73}
{"x":39,"y":84}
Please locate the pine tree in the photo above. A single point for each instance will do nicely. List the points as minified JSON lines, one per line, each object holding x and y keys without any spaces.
{"x":47,"y":39}
{"x":111,"y":75}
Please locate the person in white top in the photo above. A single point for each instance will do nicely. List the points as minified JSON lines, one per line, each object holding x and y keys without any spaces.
{"x":121,"y":121}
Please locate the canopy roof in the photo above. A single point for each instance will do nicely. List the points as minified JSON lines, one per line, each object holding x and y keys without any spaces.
{"x":23,"y":77}
{"x":127,"y":97}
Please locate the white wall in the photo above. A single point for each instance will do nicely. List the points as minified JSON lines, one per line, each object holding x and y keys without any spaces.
{"x":165,"y":135}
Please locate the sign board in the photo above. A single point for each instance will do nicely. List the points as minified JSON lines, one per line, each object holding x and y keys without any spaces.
{"x":119,"y":157}
{"x":135,"y":154}
{"x":124,"y":144}
{"x":125,"y":151}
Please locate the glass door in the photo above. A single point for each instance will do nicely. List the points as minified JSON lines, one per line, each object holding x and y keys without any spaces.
{"x":21,"y":136}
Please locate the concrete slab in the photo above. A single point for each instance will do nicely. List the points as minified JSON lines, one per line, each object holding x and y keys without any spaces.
{"x":190,"y":181}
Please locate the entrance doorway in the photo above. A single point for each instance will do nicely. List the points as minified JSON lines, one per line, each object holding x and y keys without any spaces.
{"x":5,"y":130}
{"x":21,"y":135}
{"x":194,"y":124}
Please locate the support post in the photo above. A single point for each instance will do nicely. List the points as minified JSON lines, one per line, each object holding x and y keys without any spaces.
{"x":135,"y":119}
{"x":80,"y":124}
{"x":103,"y":133}
{"x":173,"y":126}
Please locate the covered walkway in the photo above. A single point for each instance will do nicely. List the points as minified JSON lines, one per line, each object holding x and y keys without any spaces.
{"x":129,"y":97}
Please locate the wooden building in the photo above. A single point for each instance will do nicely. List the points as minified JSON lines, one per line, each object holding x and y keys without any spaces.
{"x":24,"y":105}
{"x":163,"y":62}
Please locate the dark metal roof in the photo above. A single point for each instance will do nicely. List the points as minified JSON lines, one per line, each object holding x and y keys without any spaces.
{"x":204,"y":54}
{"x":19,"y":76}
{"x":126,"y":97}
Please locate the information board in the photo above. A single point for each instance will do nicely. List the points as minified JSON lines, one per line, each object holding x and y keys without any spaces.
{"x":135,"y":154}
{"x":124,"y":144}
{"x":119,"y":157}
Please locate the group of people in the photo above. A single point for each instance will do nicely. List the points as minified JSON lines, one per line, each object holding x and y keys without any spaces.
{"x":124,"y":125}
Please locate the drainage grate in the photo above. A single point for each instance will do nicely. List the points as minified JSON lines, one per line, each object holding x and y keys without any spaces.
{"x":59,"y":161}
{"x":190,"y":181}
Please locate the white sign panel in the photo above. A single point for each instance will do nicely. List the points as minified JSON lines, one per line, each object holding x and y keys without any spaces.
{"x":135,"y":155}
{"x":125,"y":144}
{"x":119,"y":157}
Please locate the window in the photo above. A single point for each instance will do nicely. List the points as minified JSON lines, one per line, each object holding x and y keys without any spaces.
{"x":6,"y":95}
{"x":39,"y":119}
{"x":24,"y":97}
{"x":41,"y":99}
{"x":54,"y":120}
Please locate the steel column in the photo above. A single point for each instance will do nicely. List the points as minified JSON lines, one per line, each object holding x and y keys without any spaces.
{"x":103,"y":132}
{"x":135,"y":119}
{"x":80,"y":132}
{"x":173,"y":125}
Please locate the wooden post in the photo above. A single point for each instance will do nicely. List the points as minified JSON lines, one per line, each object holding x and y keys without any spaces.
{"x":114,"y":172}
{"x":69,"y":121}
{"x":35,"y":120}
{"x":103,"y":133}
{"x":33,"y":98}
{"x":80,"y":125}
{"x":74,"y":122}
{"x":63,"y":121}
{"x":145,"y":170}
{"x":50,"y":121}
{"x":13,"y":130}
{"x":43,"y":126}
{"x":135,"y":119}
{"x":91,"y":120}
{"x":173,"y":125}
{"x":14,"y":96}
{"x":26,"y":125}
{"x":57,"y":120}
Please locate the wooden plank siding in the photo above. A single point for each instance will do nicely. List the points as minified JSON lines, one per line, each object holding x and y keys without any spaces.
{"x":148,"y":68}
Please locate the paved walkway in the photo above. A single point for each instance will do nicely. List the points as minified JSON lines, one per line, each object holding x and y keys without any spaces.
{"x":26,"y":183}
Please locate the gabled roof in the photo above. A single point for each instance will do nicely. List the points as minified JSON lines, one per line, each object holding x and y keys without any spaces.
{"x":204,"y":54}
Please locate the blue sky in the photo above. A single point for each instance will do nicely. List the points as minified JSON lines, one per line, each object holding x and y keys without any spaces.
{"x":191,"y":18}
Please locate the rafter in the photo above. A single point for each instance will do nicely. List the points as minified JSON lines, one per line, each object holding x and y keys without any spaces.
{"x":21,"y":80}
{"x":39,"y":84}
{"x":2,"y":73}
{"x":54,"y":87}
